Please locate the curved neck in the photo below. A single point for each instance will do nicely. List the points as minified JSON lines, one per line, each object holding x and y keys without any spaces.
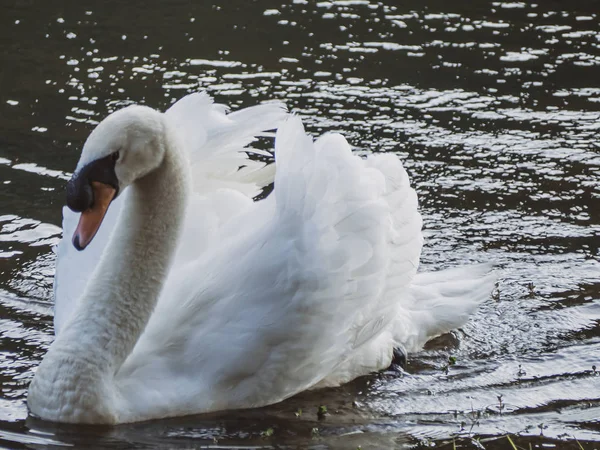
{"x":123,"y":291}
{"x":75,"y":381}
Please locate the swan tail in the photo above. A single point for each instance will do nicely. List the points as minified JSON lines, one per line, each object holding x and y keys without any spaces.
{"x":441,"y":301}
{"x":436,"y":303}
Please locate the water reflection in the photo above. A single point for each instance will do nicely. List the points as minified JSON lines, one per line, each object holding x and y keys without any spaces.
{"x":494,"y":108}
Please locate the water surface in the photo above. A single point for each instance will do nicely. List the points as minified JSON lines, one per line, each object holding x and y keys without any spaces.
{"x":494,"y":108}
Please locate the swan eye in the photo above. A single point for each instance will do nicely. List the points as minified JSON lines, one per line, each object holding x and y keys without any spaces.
{"x":115,"y":156}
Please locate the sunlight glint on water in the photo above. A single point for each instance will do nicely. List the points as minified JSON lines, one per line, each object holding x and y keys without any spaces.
{"x":495,"y":111}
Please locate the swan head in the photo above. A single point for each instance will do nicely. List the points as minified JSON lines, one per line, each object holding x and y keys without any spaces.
{"x":124,"y":147}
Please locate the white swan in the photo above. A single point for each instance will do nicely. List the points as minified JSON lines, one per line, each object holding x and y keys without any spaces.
{"x":193,"y":298}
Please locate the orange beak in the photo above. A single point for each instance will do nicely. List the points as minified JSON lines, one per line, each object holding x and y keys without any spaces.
{"x":91,"y":218}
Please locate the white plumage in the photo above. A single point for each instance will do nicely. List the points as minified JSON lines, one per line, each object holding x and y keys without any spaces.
{"x":310,"y":287}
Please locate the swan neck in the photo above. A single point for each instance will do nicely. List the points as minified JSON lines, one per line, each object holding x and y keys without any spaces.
{"x":76,"y":380}
{"x":125,"y":287}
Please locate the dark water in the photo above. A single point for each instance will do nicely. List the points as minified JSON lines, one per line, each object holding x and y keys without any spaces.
{"x":495,"y":110}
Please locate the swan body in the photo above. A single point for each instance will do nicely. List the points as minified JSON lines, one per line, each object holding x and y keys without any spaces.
{"x":193,"y":298}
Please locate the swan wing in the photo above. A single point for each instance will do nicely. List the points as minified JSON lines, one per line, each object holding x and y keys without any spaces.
{"x":301,"y":282}
{"x":217,"y":142}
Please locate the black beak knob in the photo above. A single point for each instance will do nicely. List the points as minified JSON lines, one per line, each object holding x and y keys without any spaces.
{"x":80,"y":196}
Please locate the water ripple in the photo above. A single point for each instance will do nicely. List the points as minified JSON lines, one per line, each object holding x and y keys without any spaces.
{"x":494,"y":108}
